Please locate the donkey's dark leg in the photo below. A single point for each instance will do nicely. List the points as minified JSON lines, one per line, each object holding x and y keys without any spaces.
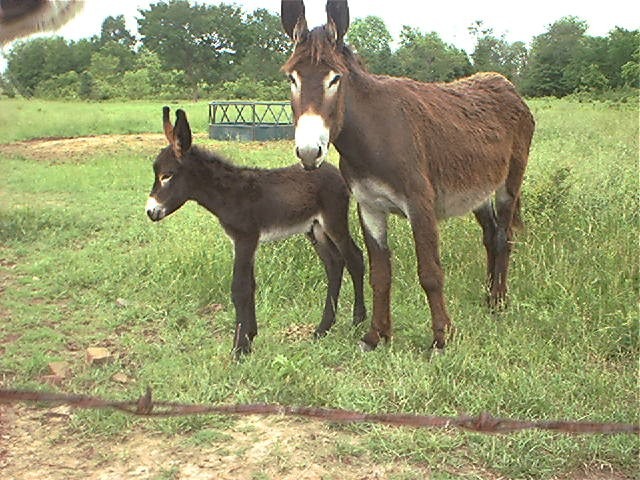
{"x":243,"y":289}
{"x":425,"y":235}
{"x":339,"y":237}
{"x":356,"y":272}
{"x":486,"y":216}
{"x":374,"y":227}
{"x":505,"y":207}
{"x":334,"y":266}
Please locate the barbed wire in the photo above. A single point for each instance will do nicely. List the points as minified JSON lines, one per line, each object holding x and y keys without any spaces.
{"x":146,"y":406}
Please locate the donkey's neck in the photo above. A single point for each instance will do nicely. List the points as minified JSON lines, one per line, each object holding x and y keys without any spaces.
{"x":213,"y":179}
{"x":355,"y":138}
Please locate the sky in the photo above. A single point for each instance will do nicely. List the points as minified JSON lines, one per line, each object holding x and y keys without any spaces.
{"x":517,"y":21}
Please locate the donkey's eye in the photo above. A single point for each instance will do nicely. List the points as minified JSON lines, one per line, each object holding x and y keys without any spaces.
{"x":291,"y":79}
{"x":335,"y":80}
{"x":165,"y":177}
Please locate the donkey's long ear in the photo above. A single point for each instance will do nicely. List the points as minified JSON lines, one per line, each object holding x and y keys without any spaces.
{"x":181,"y":134}
{"x":166,"y":124}
{"x":293,"y":19}
{"x":338,"y":18}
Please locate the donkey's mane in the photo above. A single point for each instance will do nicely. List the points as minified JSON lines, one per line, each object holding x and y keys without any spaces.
{"x":220,"y":163}
{"x":212,"y":158}
{"x":320,"y":47}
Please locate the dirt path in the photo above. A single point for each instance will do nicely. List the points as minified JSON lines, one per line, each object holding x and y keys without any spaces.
{"x":38,"y":444}
{"x":75,"y":149}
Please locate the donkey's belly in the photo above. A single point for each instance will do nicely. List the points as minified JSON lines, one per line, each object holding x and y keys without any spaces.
{"x":280,"y":232}
{"x":377,"y":196}
{"x":453,"y":204}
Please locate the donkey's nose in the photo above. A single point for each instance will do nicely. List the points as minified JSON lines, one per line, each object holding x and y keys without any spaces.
{"x":155,"y":211}
{"x":309,"y":156}
{"x":154,"y":214}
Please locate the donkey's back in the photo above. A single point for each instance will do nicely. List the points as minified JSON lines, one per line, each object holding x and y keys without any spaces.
{"x":286,"y":201}
{"x":481,"y":114}
{"x":472,"y":136}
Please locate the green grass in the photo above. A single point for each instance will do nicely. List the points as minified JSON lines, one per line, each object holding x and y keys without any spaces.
{"x":74,"y":239}
{"x":25,"y":119}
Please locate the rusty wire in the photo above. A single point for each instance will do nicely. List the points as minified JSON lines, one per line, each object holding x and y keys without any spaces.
{"x":485,"y":423}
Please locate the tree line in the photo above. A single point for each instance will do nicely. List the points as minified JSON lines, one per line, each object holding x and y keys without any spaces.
{"x":186,"y":50}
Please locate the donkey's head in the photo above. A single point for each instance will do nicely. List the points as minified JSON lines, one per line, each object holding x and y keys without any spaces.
{"x":170,"y":187}
{"x":318,"y":73}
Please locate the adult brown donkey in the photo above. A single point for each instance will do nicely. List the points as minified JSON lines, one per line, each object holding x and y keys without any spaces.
{"x":257,"y":205}
{"x":426,"y":151}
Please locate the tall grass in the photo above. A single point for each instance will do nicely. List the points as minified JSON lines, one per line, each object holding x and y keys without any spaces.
{"x":82,"y":265}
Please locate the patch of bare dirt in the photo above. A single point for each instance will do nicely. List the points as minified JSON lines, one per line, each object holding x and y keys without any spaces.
{"x":75,"y":149}
{"x":58,"y":150}
{"x":36,"y":444}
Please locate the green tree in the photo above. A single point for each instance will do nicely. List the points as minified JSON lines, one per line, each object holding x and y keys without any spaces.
{"x":106,"y":76}
{"x":492,"y":54}
{"x":126,"y":57}
{"x":85,"y":88}
{"x":34,"y":61}
{"x":630,"y":71}
{"x":81,"y":52}
{"x":372,"y":41}
{"x":200,"y":40}
{"x":265,"y":48}
{"x":427,"y":58}
{"x":65,"y":85}
{"x":137,"y":84}
{"x":114,"y":29}
{"x":593,"y":80}
{"x":623,"y":46}
{"x":6,"y":88}
{"x":556,"y":60}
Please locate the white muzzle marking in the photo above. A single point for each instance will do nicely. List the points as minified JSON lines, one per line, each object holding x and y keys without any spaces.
{"x":312,"y":140}
{"x":155,"y":211}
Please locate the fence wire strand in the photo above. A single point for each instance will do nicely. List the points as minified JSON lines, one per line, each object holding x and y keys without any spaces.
{"x":146,"y":406}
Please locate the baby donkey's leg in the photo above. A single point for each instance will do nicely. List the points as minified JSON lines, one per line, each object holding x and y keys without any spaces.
{"x":334,"y":266}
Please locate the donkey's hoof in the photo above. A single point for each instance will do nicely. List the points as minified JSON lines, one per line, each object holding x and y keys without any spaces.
{"x":496,"y":303}
{"x":365,"y":347}
{"x":241,"y":352}
{"x":319,"y":334}
{"x":436,"y":352}
{"x":359,"y":317}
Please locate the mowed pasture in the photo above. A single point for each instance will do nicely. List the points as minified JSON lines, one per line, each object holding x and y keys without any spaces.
{"x":81,"y":265}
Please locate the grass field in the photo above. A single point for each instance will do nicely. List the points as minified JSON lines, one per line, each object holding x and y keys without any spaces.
{"x":81,"y":266}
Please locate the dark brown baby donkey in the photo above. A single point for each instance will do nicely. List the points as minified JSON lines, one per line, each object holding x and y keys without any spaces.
{"x":257,"y":205}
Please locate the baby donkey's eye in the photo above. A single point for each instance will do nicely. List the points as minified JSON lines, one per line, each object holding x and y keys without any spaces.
{"x":165,"y":177}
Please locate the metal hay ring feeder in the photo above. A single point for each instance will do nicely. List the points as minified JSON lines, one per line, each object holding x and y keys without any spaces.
{"x":250,"y":121}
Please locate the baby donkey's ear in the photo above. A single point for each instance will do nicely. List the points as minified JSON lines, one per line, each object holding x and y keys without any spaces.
{"x":178,"y":135}
{"x":181,"y":134}
{"x":166,"y":124}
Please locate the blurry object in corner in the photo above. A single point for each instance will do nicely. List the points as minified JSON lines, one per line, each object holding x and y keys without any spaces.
{"x":20,"y":18}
